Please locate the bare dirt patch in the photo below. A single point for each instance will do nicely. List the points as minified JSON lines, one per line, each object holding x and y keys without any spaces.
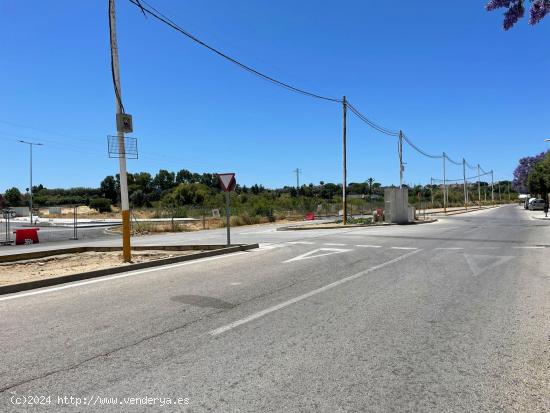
{"x":65,"y":264}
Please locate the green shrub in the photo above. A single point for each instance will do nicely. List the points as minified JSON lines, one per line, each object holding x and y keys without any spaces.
{"x":100,"y":204}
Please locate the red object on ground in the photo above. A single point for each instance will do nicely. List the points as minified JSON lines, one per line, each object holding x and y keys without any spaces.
{"x":26,"y":236}
{"x":310,"y":216}
{"x":379,"y":212}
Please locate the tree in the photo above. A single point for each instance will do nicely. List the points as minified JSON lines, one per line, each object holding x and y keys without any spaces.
{"x":101,"y":204}
{"x":108,"y":188}
{"x":184,"y":177}
{"x":186,"y":194}
{"x":524,"y":169}
{"x":539,"y":178}
{"x":164,"y":180}
{"x":516,"y":10}
{"x":13,"y":197}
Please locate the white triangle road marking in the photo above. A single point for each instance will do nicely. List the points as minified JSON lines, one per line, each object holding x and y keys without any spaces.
{"x":481,"y":263}
{"x":319,"y":252}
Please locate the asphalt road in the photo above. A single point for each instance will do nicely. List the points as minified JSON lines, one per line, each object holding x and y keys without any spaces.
{"x":444,"y":317}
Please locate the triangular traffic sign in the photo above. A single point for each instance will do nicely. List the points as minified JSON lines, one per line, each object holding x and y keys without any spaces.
{"x":227,"y":181}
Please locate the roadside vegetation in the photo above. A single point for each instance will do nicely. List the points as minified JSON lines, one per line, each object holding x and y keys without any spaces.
{"x":532,"y":175}
{"x":191,"y":195}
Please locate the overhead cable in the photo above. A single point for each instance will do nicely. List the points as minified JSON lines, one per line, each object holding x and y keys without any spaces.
{"x":159,"y":16}
{"x":450,"y":160}
{"x":420,"y":150}
{"x":369,"y":122}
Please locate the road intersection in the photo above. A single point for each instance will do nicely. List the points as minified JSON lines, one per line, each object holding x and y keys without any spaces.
{"x":450,"y":316}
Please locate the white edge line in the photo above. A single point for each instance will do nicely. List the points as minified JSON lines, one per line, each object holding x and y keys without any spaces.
{"x":114,"y":277}
{"x":327,"y":287}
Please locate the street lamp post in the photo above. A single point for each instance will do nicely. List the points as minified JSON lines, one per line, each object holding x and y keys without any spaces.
{"x":31,"y":144}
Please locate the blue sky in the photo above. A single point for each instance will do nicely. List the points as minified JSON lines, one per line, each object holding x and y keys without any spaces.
{"x":444,"y":72}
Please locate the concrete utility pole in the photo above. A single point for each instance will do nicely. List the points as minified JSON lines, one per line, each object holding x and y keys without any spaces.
{"x":492,"y":189}
{"x":400,"y":150}
{"x":344,"y":163}
{"x":444,"y":185}
{"x":432,"y":191}
{"x":31,"y":144}
{"x":478,"y":186}
{"x":126,"y":249}
{"x":465,"y":184}
{"x":297,"y":172}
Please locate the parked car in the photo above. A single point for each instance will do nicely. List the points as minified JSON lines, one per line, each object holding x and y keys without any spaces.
{"x":536,"y":205}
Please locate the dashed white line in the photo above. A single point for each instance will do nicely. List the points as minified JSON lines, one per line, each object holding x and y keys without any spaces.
{"x":403,"y":248}
{"x":534,"y":247}
{"x":302,"y":297}
{"x":335,"y":244}
{"x":301,"y":242}
{"x":369,"y":246}
{"x":450,"y":248}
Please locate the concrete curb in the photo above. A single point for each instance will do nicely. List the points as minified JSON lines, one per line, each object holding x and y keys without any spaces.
{"x":30,"y":285}
{"x":303,"y":228}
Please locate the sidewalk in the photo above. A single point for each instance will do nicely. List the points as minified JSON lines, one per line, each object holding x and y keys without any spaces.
{"x":453,"y":210}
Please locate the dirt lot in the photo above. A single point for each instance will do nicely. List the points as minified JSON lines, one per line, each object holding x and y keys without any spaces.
{"x":48,"y":267}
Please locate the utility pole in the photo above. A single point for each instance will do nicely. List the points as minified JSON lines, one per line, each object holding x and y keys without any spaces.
{"x":297,"y":172}
{"x":126,"y":250}
{"x":478,"y":187}
{"x":31,"y":144}
{"x":432,"y":191}
{"x":344,"y":164}
{"x":400,"y":150}
{"x":465,"y":187}
{"x":444,"y":185}
{"x":492,"y":188}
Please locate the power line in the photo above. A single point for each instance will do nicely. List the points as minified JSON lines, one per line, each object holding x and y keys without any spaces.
{"x":420,"y":150}
{"x":369,"y":122}
{"x":470,"y":166}
{"x":462,"y":179}
{"x":159,"y":16}
{"x":450,"y":160}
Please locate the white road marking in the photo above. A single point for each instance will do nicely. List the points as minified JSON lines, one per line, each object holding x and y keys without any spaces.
{"x":530,"y":247}
{"x":301,"y":242}
{"x":270,"y":246}
{"x":314,"y":254}
{"x":256,"y":232}
{"x":235,"y":283}
{"x":450,"y":248}
{"x":335,"y":244}
{"x":114,"y":277}
{"x":302,"y":297}
{"x":369,"y":246}
{"x":403,"y":248}
{"x":481,"y":263}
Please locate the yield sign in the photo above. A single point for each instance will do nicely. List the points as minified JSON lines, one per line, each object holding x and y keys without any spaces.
{"x":227,"y":181}
{"x":481,"y":263}
{"x":319,"y":252}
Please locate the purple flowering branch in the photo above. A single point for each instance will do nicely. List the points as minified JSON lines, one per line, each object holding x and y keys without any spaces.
{"x":516,"y":10}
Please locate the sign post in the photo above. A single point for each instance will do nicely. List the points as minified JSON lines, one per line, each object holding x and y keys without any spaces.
{"x":228,"y":183}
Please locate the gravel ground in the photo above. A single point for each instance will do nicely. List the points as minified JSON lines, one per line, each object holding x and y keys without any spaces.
{"x":64,"y":264}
